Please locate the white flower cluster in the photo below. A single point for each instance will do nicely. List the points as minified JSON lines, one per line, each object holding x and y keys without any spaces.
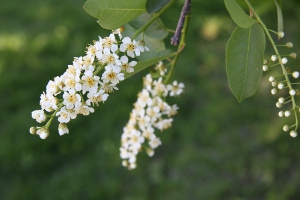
{"x":80,"y":88}
{"x":150,"y":112}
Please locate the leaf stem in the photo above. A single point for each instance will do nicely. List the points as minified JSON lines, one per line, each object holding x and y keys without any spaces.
{"x":279,"y":59}
{"x":143,"y":28}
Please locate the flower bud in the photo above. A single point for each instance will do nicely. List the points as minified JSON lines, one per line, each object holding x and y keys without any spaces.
{"x":272,"y":78}
{"x":32,"y":130}
{"x":280,"y":34}
{"x":287,"y":113}
{"x":265,"y":68}
{"x":292,"y":92}
{"x":278,"y":105}
{"x":150,"y":152}
{"x":280,"y":86}
{"x":289,"y":45}
{"x":132,"y":166}
{"x":274,"y":83}
{"x":295,"y":74}
{"x":293,"y":133}
{"x":280,"y":113}
{"x":286,"y":128}
{"x":284,"y":60}
{"x":125,"y":163}
{"x":274,"y":91}
{"x":273,"y":57}
{"x":293,"y":55}
{"x":281,"y":100}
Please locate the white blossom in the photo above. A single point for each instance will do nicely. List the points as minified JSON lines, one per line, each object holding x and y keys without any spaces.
{"x":39,"y":116}
{"x":63,"y":129}
{"x":43,"y":133}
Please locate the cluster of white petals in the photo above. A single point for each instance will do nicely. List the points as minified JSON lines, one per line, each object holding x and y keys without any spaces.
{"x":79,"y":88}
{"x":150,"y":112}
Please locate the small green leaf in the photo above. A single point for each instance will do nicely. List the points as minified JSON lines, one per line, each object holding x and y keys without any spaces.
{"x":150,"y":58}
{"x":153,"y":6}
{"x":244,"y":60}
{"x":238,"y":15}
{"x":112,"y":14}
{"x":279,"y":16}
{"x":156,"y":30}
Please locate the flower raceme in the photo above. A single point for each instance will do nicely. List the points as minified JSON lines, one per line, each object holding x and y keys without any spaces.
{"x":285,"y":82}
{"x":80,"y":88}
{"x":150,"y":112}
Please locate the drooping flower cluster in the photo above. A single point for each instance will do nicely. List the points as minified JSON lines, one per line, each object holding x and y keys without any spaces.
{"x":283,"y":82}
{"x":150,"y":112}
{"x":80,"y":88}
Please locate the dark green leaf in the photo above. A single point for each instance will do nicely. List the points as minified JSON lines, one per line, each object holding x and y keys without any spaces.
{"x":150,"y":58}
{"x":156,"y":30}
{"x":244,"y":60}
{"x":112,"y":14}
{"x":153,"y":6}
{"x":238,"y":15}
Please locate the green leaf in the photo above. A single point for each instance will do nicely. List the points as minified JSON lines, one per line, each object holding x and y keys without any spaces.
{"x":244,"y":60}
{"x":153,"y":6}
{"x":152,"y":43}
{"x":150,"y":58}
{"x":112,"y":14}
{"x":279,"y":16}
{"x":238,"y":15}
{"x":156,"y":30}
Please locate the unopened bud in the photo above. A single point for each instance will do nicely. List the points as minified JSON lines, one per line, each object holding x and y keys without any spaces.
{"x":293,"y":55}
{"x":280,"y":86}
{"x":292,"y":92}
{"x":280,"y":113}
{"x":272,"y":78}
{"x":293,"y":133}
{"x":273,"y":57}
{"x":280,"y":34}
{"x":295,"y":74}
{"x":289,"y":45}
{"x":265,"y":68}
{"x":274,"y":91}
{"x":286,"y":128}
{"x":281,"y":100}
{"x":284,"y":60}
{"x":32,"y":130}
{"x":287,"y":113}
{"x":274,"y":83}
{"x":278,"y":105}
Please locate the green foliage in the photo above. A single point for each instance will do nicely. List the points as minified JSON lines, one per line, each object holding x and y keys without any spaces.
{"x":156,"y":30}
{"x":113,"y":14}
{"x":238,"y":15}
{"x":244,"y":60}
{"x":153,"y":6}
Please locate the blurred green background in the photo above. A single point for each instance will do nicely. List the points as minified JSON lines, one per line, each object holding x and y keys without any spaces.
{"x":216,"y":148}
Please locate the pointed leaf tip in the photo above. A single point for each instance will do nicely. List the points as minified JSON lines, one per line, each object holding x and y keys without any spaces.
{"x":238,"y":15}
